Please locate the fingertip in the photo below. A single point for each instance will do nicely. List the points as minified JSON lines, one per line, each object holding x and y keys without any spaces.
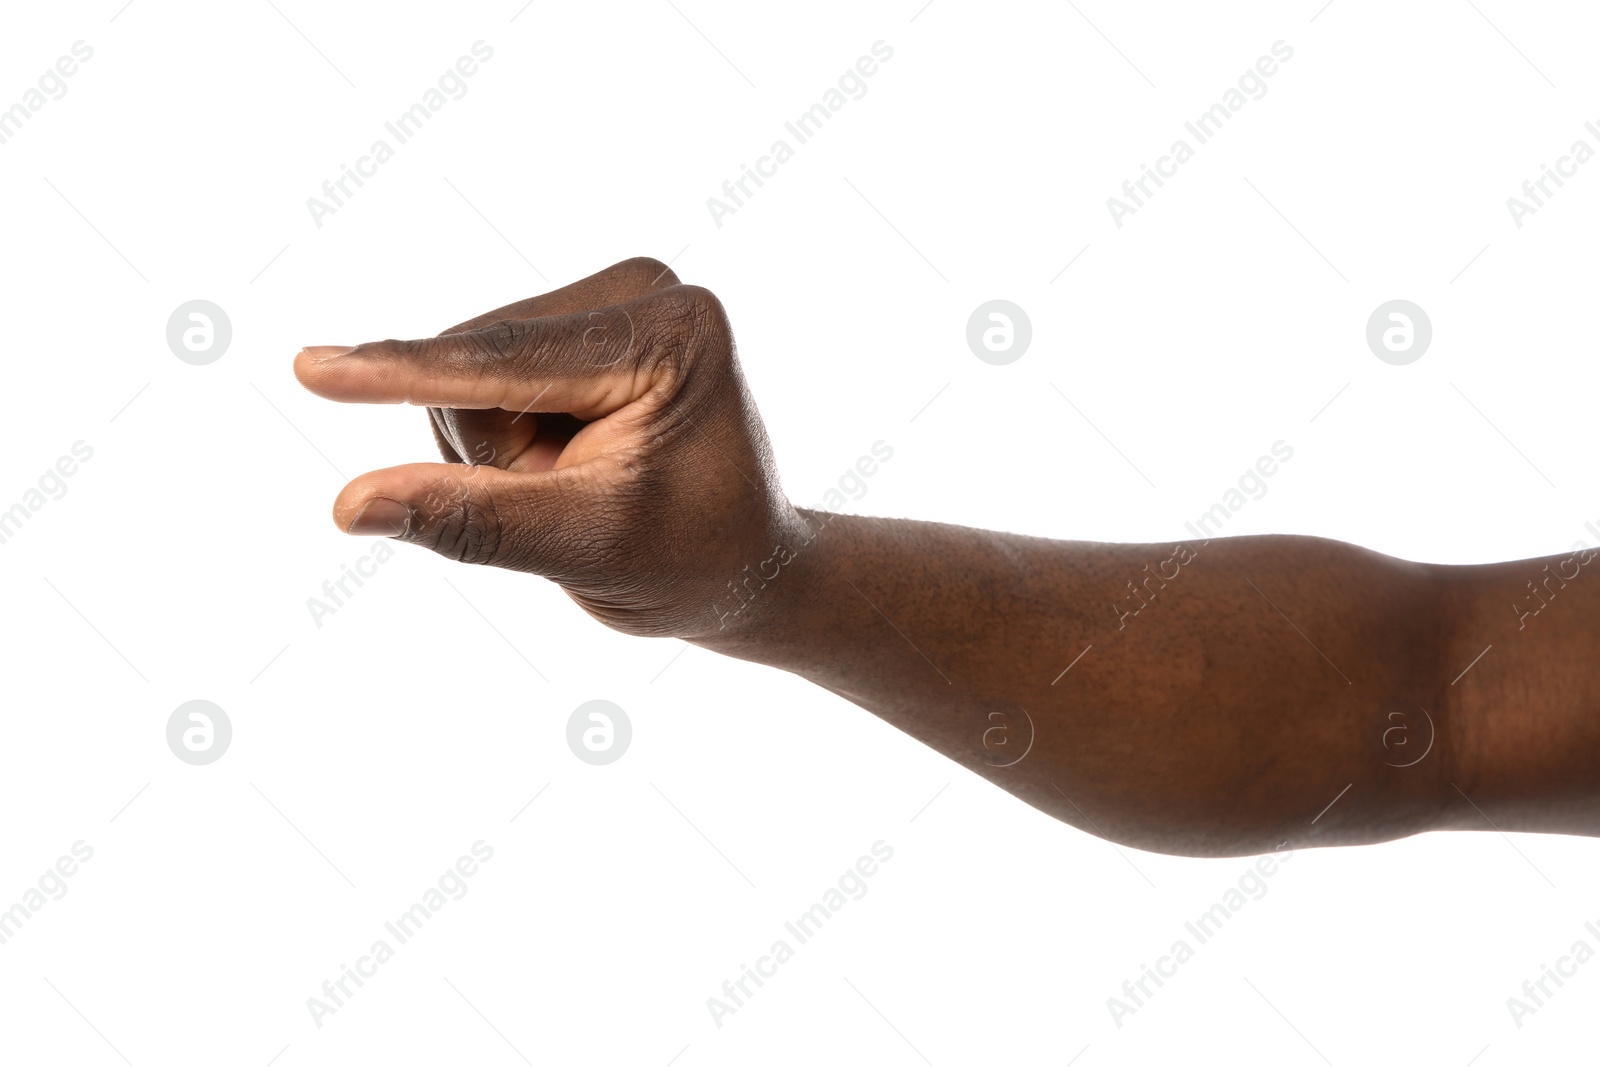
{"x":304,"y":367}
{"x":313,"y":355}
{"x":388,"y":502}
{"x":355,"y":498}
{"x":352,"y":380}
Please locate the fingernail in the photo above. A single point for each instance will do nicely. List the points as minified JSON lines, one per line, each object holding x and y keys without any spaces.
{"x":381,"y":518}
{"x":322,"y":352}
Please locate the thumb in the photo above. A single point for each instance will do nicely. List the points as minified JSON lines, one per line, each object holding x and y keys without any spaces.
{"x":525,"y":521}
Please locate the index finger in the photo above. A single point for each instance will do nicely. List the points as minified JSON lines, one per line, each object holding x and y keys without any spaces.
{"x":587,"y":364}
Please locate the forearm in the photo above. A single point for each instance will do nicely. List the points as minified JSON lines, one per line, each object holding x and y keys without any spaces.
{"x":1227,"y":697}
{"x":1223,"y":702}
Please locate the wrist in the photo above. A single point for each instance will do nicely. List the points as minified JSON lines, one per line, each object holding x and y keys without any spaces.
{"x":765,"y":603}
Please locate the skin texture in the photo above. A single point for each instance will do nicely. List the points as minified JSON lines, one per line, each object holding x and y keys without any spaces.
{"x":1212,"y":698}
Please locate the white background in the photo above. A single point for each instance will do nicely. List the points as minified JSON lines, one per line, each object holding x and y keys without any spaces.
{"x":372,"y":751}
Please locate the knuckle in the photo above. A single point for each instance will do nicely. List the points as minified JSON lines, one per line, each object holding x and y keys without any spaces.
{"x":463,"y":525}
{"x":485,"y":348}
{"x":650,"y":272}
{"x":695,"y":303}
{"x":688,"y":321}
{"x":389,"y":348}
{"x":473,"y":535}
{"x":487,"y":344}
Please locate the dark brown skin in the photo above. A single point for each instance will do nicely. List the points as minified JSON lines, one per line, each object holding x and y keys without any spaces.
{"x":1270,"y":692}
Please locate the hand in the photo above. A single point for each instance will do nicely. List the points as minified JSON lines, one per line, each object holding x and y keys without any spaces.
{"x":600,"y":435}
